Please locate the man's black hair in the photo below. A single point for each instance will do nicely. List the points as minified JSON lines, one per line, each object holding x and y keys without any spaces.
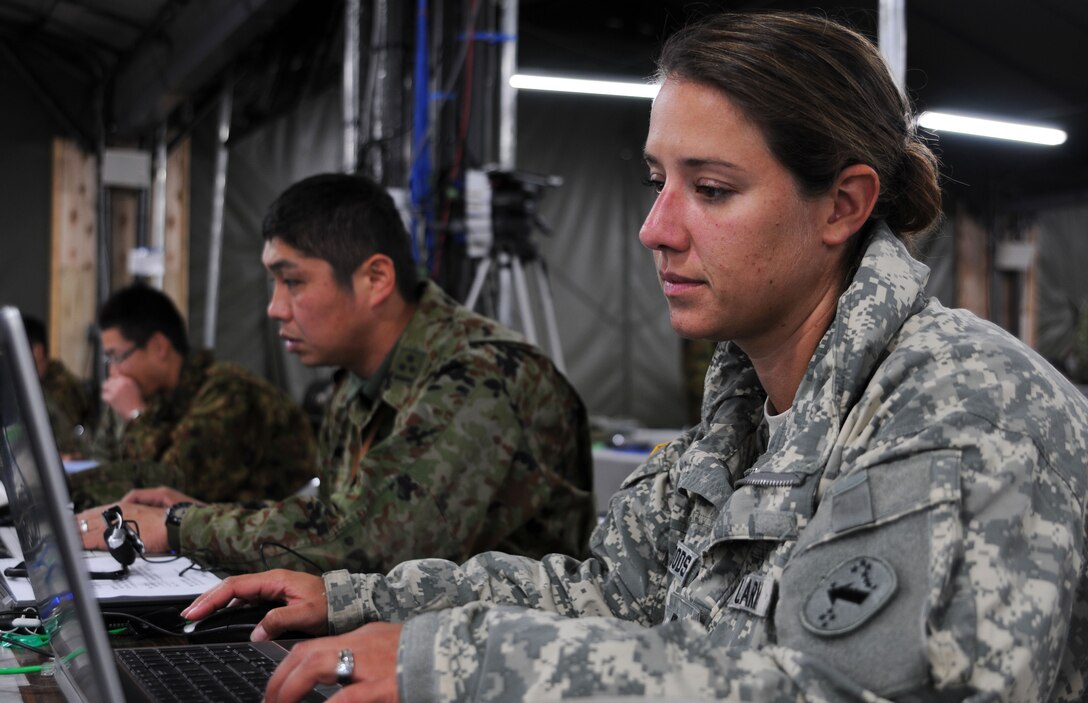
{"x":343,"y":219}
{"x":35,"y":332}
{"x":140,"y":311}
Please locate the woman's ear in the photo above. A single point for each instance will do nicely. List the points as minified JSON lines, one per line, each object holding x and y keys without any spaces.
{"x":854,"y":196}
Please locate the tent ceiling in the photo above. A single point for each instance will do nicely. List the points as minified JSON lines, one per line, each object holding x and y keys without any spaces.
{"x":1021,"y":61}
{"x":1013,"y":59}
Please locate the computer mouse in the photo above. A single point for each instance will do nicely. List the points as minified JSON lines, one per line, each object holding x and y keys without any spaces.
{"x":235,"y":621}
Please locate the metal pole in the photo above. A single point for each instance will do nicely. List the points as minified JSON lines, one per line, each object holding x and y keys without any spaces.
{"x":892,"y":37}
{"x":371,"y":123}
{"x":158,"y":201}
{"x":350,"y":95}
{"x":508,"y":113}
{"x":215,"y":247}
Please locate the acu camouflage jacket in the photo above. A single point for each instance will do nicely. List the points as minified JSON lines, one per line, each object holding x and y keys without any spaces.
{"x":222,"y":434}
{"x":470,"y":440}
{"x":914,"y":531}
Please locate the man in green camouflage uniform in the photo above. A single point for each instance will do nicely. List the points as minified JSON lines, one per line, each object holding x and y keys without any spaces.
{"x":899,"y":515}
{"x":211,"y":428}
{"x":447,"y":434}
{"x":66,"y":399}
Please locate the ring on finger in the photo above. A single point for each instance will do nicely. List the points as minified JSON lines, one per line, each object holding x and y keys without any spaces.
{"x":84,"y":526}
{"x":345,"y":667}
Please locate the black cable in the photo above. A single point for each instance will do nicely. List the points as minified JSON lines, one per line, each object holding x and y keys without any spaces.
{"x":264,"y":559}
{"x":172,"y":633}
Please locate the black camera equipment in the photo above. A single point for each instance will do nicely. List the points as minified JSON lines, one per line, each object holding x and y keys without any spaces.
{"x":515,"y":215}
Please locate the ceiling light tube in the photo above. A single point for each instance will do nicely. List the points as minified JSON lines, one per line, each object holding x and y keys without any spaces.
{"x":522,"y":81}
{"x":936,"y":121}
{"x":945,"y":122}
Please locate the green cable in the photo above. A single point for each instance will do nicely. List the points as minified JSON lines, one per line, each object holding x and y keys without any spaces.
{"x":22,"y":670}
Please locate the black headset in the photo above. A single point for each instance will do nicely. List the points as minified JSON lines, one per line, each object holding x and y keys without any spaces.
{"x":122,"y":540}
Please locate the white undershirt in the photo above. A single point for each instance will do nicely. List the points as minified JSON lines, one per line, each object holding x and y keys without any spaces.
{"x":773,"y":421}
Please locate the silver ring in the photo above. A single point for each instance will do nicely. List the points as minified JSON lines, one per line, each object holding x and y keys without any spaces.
{"x":84,"y":526}
{"x":345,"y":667}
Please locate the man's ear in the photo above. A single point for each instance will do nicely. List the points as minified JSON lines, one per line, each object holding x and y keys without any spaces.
{"x":158,"y":345}
{"x":377,"y":276}
{"x":854,"y":196}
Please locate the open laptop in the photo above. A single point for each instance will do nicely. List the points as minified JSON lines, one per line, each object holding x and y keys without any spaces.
{"x":87,"y":668}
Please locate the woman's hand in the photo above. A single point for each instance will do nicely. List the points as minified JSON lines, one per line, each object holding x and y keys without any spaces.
{"x":306,"y":608}
{"x":313,"y":662}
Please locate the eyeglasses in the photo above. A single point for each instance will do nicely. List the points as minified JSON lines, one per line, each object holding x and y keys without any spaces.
{"x":113,"y":358}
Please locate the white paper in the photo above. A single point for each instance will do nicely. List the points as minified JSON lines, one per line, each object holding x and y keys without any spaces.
{"x":160,"y":580}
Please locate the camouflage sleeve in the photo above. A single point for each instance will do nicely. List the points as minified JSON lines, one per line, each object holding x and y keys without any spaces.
{"x":423,"y":489}
{"x":993,"y":622}
{"x":625,"y":576}
{"x":505,"y":653}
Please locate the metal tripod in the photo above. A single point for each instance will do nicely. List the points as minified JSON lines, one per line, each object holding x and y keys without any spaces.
{"x":505,"y":270}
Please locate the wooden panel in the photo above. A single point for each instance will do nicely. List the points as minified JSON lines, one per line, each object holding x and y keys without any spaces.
{"x":1030,"y":320}
{"x":74,"y":253}
{"x":972,"y":265}
{"x":176,"y":255}
{"x":124,"y":221}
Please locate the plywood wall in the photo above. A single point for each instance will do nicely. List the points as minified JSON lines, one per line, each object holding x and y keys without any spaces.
{"x":175,"y":281}
{"x":972,"y":264}
{"x":74,"y":254}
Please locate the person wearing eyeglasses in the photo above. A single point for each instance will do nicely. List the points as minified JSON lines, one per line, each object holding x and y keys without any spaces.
{"x":174,"y":415}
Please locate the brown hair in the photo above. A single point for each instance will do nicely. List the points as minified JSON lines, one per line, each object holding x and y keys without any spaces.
{"x":823,"y":99}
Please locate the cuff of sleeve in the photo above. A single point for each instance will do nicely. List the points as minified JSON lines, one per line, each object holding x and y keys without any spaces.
{"x":345,"y":609}
{"x":416,"y":661}
{"x":175,"y":534}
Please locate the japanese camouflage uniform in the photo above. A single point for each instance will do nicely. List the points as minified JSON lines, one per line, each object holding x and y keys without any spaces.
{"x":68,"y":407}
{"x":914,"y":531}
{"x":221,"y":434}
{"x":468,"y":439}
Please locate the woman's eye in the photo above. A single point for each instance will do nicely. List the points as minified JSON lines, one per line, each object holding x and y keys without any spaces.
{"x":658,"y":184}
{"x":712,"y":192}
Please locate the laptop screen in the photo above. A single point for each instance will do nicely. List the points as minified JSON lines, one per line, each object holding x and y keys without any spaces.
{"x":40,"y":507}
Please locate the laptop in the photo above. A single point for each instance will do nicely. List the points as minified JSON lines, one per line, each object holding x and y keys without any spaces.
{"x":87,"y":668}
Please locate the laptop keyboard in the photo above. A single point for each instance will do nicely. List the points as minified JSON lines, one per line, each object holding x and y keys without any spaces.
{"x":220,"y":673}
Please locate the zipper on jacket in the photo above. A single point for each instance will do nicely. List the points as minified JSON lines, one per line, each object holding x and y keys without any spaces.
{"x":772,"y":479}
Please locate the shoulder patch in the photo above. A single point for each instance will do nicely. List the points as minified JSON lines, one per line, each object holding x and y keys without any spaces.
{"x":848,"y":596}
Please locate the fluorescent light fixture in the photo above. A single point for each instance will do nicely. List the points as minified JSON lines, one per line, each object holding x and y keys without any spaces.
{"x":936,"y":121}
{"x":944,"y":122}
{"x":586,"y":87}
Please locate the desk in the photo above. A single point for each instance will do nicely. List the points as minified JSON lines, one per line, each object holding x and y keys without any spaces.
{"x":26,"y":687}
